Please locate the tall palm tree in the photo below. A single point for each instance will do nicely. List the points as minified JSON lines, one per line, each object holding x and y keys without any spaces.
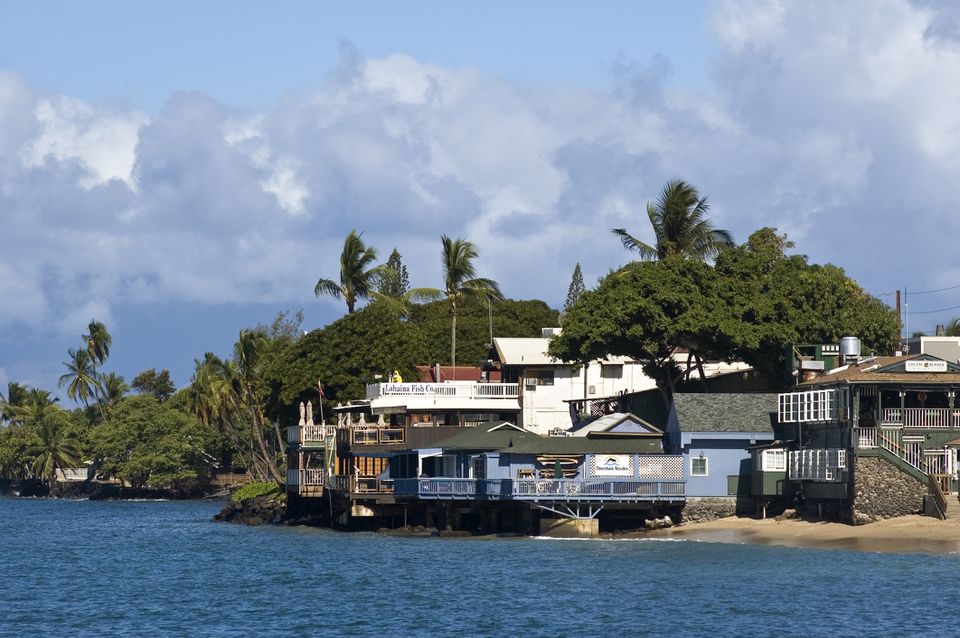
{"x":81,"y":377}
{"x":357,"y":278}
{"x":98,"y":342}
{"x":680,"y":226}
{"x":460,"y":283}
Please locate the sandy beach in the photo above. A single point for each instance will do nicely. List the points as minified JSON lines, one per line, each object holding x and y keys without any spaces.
{"x":907,"y":534}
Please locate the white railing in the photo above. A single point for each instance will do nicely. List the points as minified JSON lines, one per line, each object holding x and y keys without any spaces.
{"x":453,"y":389}
{"x":536,"y":489}
{"x":309,"y":434}
{"x":923,"y":417}
{"x":817,"y":465}
{"x":313,"y":477}
{"x":812,"y":406}
{"x":867,"y":438}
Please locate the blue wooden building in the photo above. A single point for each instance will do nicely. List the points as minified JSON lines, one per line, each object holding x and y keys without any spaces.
{"x":713,"y":433}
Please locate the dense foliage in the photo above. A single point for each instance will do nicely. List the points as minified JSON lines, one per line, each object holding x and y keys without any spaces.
{"x":753,"y":305}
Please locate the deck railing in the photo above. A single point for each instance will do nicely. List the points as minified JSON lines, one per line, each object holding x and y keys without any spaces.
{"x":922,"y":417}
{"x":539,"y":489}
{"x":455,"y":389}
{"x":309,"y":435}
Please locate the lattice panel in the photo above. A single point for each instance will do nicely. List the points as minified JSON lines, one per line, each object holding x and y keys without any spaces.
{"x":660,"y":467}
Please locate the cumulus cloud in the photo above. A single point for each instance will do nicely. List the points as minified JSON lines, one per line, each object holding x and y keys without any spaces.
{"x":837,"y":123}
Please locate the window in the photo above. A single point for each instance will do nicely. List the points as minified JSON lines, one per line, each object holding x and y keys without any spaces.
{"x":612,"y":371}
{"x":698,"y":465}
{"x":774,"y":461}
{"x":539,"y":377}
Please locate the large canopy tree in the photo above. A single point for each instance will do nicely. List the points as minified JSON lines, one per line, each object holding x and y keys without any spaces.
{"x":357,"y":277}
{"x":680,"y":226}
{"x":754,"y":305}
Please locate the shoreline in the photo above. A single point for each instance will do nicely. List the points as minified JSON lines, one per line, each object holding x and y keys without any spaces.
{"x":902,"y":535}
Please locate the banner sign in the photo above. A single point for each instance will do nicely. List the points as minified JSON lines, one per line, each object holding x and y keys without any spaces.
{"x":613,"y":465}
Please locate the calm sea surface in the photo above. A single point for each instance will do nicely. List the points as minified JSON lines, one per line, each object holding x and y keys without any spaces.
{"x":80,"y":568}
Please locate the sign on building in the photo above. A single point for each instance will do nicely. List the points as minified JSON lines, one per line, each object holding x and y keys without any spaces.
{"x":612,"y":465}
{"x":925,"y":366}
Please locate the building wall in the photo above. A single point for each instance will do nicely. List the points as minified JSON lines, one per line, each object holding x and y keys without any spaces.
{"x":543,"y":406}
{"x":725,"y":457}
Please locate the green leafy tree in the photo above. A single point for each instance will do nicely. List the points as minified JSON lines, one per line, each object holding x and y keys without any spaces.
{"x":156,"y":383}
{"x":357,"y":277}
{"x":460,"y":283}
{"x":680,"y":226}
{"x":150,"y":443}
{"x":754,"y":305}
{"x":576,"y":289}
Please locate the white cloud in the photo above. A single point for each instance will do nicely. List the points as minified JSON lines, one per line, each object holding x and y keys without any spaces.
{"x":835,"y":122}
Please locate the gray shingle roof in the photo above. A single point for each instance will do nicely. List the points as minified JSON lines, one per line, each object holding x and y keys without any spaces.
{"x":727,"y":412}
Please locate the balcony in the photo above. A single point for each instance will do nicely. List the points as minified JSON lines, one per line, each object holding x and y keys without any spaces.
{"x":309,"y":435}
{"x":922,"y":417}
{"x":370,"y":435}
{"x":541,"y":489}
{"x":306,"y":482}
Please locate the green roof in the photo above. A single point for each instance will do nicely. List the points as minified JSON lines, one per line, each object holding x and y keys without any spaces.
{"x":583,"y":445}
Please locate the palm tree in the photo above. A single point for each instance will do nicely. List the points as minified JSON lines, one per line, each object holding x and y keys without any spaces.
{"x":357,"y":279}
{"x":56,"y":449}
{"x":680,"y":226}
{"x":460,"y":283}
{"x":16,"y":395}
{"x":98,"y":342}
{"x":113,"y":387}
{"x":953,"y":328}
{"x":81,"y":377}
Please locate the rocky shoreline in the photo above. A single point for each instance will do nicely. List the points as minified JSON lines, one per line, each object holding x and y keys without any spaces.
{"x":259,"y":510}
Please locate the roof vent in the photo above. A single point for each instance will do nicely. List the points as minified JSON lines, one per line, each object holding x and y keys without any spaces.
{"x":849,"y":349}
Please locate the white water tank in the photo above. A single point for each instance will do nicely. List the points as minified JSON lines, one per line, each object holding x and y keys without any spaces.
{"x":849,"y":349}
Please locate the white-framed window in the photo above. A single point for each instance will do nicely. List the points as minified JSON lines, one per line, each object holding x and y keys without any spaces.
{"x":611,"y":371}
{"x":698,"y":466}
{"x":773,"y":461}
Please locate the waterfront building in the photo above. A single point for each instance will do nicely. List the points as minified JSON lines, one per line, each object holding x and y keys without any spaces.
{"x":875,"y":437}
{"x":714,"y":433}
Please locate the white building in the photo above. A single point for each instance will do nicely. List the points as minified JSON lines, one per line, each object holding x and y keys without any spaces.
{"x":546,"y":384}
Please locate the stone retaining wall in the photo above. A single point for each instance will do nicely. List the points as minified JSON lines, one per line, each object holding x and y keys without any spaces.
{"x":881,"y":490}
{"x":700,"y":509}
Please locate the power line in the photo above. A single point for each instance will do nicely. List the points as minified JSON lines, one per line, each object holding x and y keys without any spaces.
{"x":927,"y":292}
{"x":930,"y":312}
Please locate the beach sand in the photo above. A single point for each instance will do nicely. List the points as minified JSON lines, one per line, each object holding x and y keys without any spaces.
{"x":906,"y":534}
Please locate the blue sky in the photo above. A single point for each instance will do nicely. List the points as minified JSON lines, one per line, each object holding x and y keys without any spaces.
{"x":181,"y":170}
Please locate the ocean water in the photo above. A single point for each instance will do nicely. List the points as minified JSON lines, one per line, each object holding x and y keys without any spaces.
{"x":81,"y":568}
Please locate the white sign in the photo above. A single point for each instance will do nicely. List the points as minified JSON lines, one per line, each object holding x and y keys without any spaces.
{"x":925,"y":366}
{"x":613,"y":465}
{"x":416,"y":389}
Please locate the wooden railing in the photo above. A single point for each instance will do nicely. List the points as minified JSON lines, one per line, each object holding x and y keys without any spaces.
{"x":922,"y":417}
{"x":539,"y":489}
{"x":936,"y":490}
{"x":376,"y":435}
